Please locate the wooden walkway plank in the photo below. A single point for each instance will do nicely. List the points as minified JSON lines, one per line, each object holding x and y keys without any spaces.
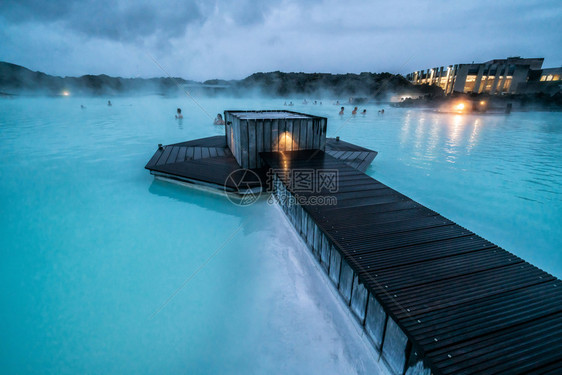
{"x":173,"y":155}
{"x":197,"y":152}
{"x":164,"y":156}
{"x":181,"y":154}
{"x":152,"y":162}
{"x":190,"y":153}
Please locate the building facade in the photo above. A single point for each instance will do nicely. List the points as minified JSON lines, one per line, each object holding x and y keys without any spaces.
{"x":513,"y":75}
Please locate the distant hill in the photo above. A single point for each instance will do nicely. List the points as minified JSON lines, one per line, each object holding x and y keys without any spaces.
{"x":372,"y":85}
{"x":15,"y":79}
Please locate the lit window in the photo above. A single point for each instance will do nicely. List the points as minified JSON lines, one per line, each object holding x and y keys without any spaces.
{"x":507,"y":84}
{"x":549,"y":77}
{"x":500,"y":82}
{"x":489,"y":82}
{"x":543,"y":78}
{"x":556,"y":77}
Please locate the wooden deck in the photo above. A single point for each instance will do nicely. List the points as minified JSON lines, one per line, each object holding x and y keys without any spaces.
{"x":209,"y":161}
{"x":428,"y":292}
{"x":205,"y":161}
{"x":355,"y":156}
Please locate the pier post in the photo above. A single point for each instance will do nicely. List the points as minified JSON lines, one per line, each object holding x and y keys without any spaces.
{"x":394,"y":347}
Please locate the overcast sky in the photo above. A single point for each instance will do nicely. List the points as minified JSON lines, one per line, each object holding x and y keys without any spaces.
{"x":233,"y":38}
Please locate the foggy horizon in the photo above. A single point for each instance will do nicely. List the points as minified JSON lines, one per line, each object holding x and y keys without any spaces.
{"x":231,"y":40}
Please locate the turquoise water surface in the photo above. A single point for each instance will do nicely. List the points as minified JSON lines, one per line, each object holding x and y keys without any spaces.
{"x":107,"y":271}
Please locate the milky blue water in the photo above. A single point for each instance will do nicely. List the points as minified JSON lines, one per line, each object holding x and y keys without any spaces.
{"x":105,"y":270}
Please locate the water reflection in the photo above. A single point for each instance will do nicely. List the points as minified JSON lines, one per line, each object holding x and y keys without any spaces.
{"x":428,"y":135}
{"x":210,"y":201}
{"x":405,"y":131}
{"x":456,"y":127}
{"x":433,"y":138}
{"x":472,"y":141}
{"x":419,"y":138}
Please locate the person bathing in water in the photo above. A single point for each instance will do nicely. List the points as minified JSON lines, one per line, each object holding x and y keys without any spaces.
{"x":364,"y":112}
{"x":354,"y":112}
{"x":341,"y":111}
{"x":179,"y":115}
{"x":219,"y":120}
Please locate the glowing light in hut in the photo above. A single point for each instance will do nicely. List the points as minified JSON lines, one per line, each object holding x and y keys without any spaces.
{"x":286,"y":142}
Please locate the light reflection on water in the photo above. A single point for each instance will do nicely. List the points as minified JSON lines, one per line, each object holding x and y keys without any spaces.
{"x":456,"y":128}
{"x":473,"y":136}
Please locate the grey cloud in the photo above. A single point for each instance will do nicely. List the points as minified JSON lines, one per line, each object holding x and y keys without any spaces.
{"x":248,"y":12}
{"x":115,"y":20}
{"x":127,"y":21}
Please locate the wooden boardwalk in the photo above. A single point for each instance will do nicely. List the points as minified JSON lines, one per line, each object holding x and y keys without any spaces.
{"x":210,"y":161}
{"x":430,"y":294}
{"x":355,"y":156}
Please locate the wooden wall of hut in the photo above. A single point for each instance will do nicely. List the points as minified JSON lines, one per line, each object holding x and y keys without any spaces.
{"x":247,"y":138}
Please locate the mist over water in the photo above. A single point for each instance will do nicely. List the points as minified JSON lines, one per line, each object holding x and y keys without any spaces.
{"x":92,"y":246}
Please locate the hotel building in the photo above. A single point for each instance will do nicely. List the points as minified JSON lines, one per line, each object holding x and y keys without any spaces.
{"x":513,"y":75}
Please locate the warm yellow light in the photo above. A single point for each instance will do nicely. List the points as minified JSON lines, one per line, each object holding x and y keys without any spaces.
{"x":460,"y":106}
{"x":65,"y":93}
{"x":286,"y":142}
{"x":482,"y":102}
